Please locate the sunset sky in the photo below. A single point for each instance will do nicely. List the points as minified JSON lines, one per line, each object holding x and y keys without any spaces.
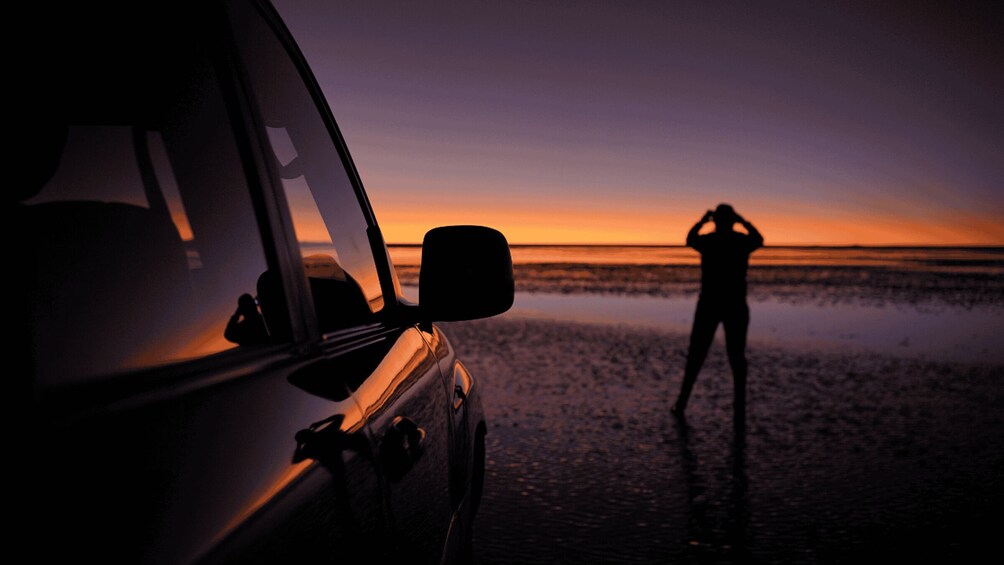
{"x":622,"y":122}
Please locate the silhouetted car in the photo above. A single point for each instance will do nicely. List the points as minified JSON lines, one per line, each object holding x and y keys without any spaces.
{"x":218,"y":357}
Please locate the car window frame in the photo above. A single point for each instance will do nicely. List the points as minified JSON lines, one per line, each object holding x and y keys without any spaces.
{"x":389,"y":284}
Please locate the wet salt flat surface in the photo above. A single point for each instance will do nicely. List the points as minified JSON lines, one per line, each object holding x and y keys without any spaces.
{"x":875,"y":426}
{"x":845,"y":455}
{"x":952,"y":258}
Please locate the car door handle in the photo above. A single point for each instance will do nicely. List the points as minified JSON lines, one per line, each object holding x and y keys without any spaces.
{"x":405,"y":434}
{"x":402,"y":446}
{"x":325,"y":440}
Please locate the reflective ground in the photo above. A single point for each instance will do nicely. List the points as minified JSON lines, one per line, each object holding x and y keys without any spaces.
{"x":845,"y":454}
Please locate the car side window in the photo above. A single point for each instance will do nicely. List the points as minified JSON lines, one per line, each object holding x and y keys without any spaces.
{"x":141,"y":241}
{"x":327,"y":214}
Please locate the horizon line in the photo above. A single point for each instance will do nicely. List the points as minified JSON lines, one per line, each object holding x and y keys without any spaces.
{"x":799,"y":245}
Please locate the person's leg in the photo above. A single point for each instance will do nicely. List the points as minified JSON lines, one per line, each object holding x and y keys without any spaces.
{"x":736,"y":322}
{"x":703,"y":332}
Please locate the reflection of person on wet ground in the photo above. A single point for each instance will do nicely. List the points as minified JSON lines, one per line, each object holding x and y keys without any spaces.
{"x":718,"y":513}
{"x":246,"y":326}
{"x":724,"y":260}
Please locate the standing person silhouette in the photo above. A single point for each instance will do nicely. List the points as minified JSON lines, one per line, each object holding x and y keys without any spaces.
{"x":724,"y":259}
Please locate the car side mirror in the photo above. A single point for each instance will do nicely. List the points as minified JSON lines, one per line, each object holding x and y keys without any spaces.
{"x":466,"y":274}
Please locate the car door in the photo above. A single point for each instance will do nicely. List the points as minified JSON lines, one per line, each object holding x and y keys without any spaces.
{"x":404,"y":404}
{"x":387,"y":365}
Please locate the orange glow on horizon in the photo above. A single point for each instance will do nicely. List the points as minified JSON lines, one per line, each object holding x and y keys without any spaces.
{"x":556,"y":225}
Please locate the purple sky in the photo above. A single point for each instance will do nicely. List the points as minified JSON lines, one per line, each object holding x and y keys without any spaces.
{"x":624,"y":121}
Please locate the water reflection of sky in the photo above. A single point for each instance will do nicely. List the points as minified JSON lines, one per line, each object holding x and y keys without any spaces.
{"x":949,"y":334}
{"x":938,"y":334}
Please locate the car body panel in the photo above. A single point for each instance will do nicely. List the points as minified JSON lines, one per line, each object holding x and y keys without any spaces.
{"x":305,"y":448}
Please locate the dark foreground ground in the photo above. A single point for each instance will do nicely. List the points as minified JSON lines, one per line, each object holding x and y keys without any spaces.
{"x":844,"y":457}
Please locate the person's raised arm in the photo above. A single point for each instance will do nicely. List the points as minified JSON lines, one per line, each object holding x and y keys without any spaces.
{"x":756,"y":240}
{"x":692,"y":234}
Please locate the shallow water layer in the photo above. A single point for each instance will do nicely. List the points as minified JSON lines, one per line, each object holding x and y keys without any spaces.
{"x":942,"y":334}
{"x":936,"y":333}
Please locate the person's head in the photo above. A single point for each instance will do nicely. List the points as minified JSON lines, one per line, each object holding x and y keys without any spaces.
{"x":247,"y":303}
{"x":724,"y":217}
